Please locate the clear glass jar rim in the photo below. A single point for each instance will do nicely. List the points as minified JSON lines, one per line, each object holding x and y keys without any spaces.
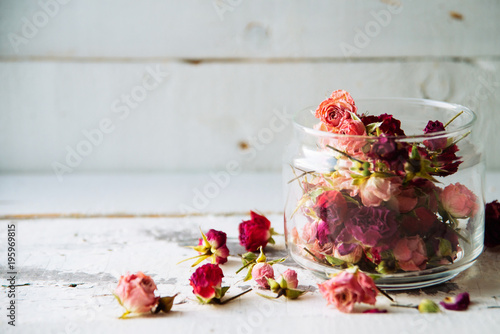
{"x":414,"y":101}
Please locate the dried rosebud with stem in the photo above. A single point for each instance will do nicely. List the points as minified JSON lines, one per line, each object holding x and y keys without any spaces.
{"x":250,"y":260}
{"x":256,"y":232}
{"x":211,"y":246}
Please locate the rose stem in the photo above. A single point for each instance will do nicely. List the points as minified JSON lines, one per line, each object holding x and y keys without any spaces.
{"x":345,"y":154}
{"x":314,"y":256}
{"x":385,"y":294}
{"x":454,"y":117}
{"x":407,"y":306}
{"x":234,"y":297}
{"x":493,"y":307}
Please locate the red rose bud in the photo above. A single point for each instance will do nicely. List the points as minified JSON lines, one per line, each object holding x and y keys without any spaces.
{"x":136,"y":293}
{"x":206,"y":282}
{"x":438,"y":143}
{"x":331,"y":207}
{"x":256,"y":232}
{"x":492,"y":224}
{"x":459,"y":303}
{"x":389,"y":125}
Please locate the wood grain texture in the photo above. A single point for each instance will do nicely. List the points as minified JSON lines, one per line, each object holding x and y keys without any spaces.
{"x":195,"y":29}
{"x":201,"y":117}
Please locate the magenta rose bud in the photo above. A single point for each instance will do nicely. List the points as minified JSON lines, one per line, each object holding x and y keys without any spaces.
{"x":459,"y":303}
{"x":331,"y":207}
{"x":411,"y":253}
{"x":261,"y":272}
{"x":206,"y":282}
{"x":290,"y":277}
{"x":459,"y":201}
{"x":217,"y":241}
{"x":492,"y":224}
{"x":255,"y":233}
{"x":372,"y":226}
{"x":438,"y":143}
{"x":390,"y":126}
{"x":136,"y":293}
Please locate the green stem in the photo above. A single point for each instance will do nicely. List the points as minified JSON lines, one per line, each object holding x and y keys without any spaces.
{"x":454,"y":117}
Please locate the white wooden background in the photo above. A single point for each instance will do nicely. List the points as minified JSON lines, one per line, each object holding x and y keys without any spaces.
{"x":230,"y":71}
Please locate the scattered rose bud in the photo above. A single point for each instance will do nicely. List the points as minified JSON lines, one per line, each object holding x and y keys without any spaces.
{"x":136,"y":293}
{"x":428,"y":306}
{"x":289,"y":279}
{"x":261,"y":272}
{"x":206,"y":282}
{"x":256,"y":232}
{"x":492,"y":224}
{"x":286,"y":285}
{"x":347,"y":288}
{"x":211,"y":246}
{"x":459,"y":303}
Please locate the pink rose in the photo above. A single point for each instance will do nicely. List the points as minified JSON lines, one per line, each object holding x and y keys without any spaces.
{"x":378,"y":189}
{"x":216,"y":246}
{"x":319,"y":250}
{"x":351,"y":146}
{"x":406,"y":200}
{"x":337,"y":108}
{"x":459,"y":201}
{"x":255,"y":232}
{"x":347,"y":288}
{"x":310,"y":232}
{"x":411,"y":253}
{"x":261,"y":272}
{"x":352,"y":257}
{"x":290,"y":278}
{"x":206,"y":282}
{"x":136,"y":293}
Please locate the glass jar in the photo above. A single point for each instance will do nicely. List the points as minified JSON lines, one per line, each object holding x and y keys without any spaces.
{"x":407,"y":208}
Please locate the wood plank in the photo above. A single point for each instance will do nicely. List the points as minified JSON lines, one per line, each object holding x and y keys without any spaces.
{"x":202,"y":117}
{"x":200,"y":29}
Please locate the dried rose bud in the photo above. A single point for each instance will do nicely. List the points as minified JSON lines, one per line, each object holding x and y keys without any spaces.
{"x":136,"y":293}
{"x":206,"y":282}
{"x":261,"y":272}
{"x":459,"y":303}
{"x":256,"y":232}
{"x":428,"y":306}
{"x":492,"y":224}
{"x":289,"y":279}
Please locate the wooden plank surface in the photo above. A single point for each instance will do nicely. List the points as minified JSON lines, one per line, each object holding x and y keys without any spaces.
{"x":200,"y":29}
{"x":200,"y":117}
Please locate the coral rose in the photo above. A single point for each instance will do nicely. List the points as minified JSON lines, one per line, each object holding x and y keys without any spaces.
{"x":459,"y":201}
{"x":136,"y":293}
{"x":336,"y":109}
{"x":411,"y":253}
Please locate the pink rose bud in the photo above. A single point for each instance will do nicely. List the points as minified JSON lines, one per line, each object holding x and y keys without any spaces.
{"x":136,"y":293}
{"x":347,"y":288}
{"x":256,"y":232}
{"x":217,"y":244}
{"x":261,"y":272}
{"x":290,"y":278}
{"x":411,"y":253}
{"x":459,"y":201}
{"x":206,"y":282}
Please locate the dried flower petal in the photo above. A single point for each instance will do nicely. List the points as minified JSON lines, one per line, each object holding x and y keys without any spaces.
{"x":459,"y":303}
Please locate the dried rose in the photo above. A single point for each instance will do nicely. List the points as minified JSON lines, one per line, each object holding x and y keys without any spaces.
{"x":348,"y":288}
{"x":492,"y":224}
{"x":388,"y":124}
{"x":211,"y":246}
{"x":376,"y":189}
{"x":286,"y":285}
{"x":374,"y":310}
{"x":336,"y":109}
{"x":418,"y":221}
{"x":411,"y":253}
{"x":206,"y":282}
{"x":459,"y":201}
{"x":331,"y":207}
{"x":136,"y":293}
{"x":459,"y":303}
{"x":261,"y":272}
{"x":438,"y":143}
{"x":372,"y":226}
{"x":256,"y":232}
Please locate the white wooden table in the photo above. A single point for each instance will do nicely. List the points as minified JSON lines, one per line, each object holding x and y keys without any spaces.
{"x":77,"y":237}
